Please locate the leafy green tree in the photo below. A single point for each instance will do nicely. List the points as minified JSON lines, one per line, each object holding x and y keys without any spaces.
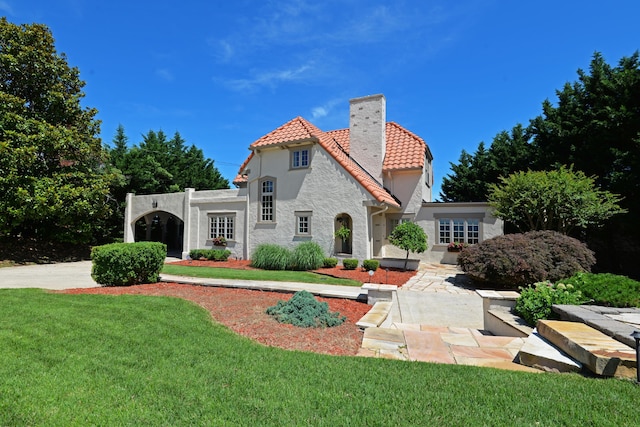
{"x":54,"y":179}
{"x":410,"y":237}
{"x":559,"y":200}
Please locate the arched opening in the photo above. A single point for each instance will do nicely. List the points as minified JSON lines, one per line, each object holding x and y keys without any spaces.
{"x":343,"y":232}
{"x":162,"y":227}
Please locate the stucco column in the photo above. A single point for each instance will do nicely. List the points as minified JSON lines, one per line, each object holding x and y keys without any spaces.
{"x":129,"y":228}
{"x":186,"y":209}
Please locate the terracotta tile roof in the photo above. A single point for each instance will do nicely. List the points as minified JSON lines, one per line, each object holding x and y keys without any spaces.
{"x":405,"y":151}
{"x":240,"y":178}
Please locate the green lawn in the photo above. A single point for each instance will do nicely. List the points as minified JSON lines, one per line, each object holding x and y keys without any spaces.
{"x":278,"y":276}
{"x":78,"y":360}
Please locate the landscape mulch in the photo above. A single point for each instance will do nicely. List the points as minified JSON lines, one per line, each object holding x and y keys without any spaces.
{"x":243,"y":311}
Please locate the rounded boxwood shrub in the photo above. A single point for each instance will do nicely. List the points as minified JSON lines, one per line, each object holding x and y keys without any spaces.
{"x":271,"y":257}
{"x":330,"y":262}
{"x":370,"y":264}
{"x":210,"y":254}
{"x":125,"y":264}
{"x":305,"y":311}
{"x":515,"y":260}
{"x":350,"y":263}
{"x":534,"y":302}
{"x":307,"y":256}
{"x":607,"y":289}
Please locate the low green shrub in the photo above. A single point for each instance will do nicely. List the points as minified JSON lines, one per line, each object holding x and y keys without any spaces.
{"x":125,"y":264}
{"x":350,"y":263}
{"x":210,"y":254}
{"x":271,"y":257}
{"x":307,"y":256}
{"x":607,"y":289}
{"x":305,"y":311}
{"x":516,"y":260}
{"x":534,"y":302}
{"x":330,"y":262}
{"x":370,"y":264}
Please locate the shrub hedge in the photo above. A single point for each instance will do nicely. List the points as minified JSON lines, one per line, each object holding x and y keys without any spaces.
{"x":210,"y":254}
{"x":305,"y":311}
{"x":307,"y":256}
{"x":271,"y":257}
{"x":370,"y":264}
{"x":125,"y":264}
{"x":607,"y":289}
{"x":350,"y":263}
{"x":516,"y":260}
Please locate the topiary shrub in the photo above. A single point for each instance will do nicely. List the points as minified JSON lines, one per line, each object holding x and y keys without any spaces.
{"x":330,"y":262}
{"x":516,"y":260}
{"x":370,"y":264}
{"x":307,"y":256}
{"x":350,"y":263}
{"x":534,"y":302}
{"x":271,"y":257}
{"x":607,"y":289}
{"x":126,"y":264}
{"x":305,"y":311}
{"x":197,"y":254}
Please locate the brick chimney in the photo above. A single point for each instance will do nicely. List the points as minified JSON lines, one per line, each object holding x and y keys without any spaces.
{"x":367,"y":135}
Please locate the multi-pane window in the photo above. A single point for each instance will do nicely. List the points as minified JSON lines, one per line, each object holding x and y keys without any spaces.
{"x":463,"y":230}
{"x":303,"y":223}
{"x":222,"y":225}
{"x":267,"y":201}
{"x":300,"y":158}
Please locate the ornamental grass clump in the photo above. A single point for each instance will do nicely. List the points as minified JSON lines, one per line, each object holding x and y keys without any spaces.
{"x":305,"y":311}
{"x":271,"y":257}
{"x":534,"y":302}
{"x":307,"y":256}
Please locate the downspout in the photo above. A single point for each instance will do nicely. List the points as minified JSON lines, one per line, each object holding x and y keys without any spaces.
{"x":383,"y":210}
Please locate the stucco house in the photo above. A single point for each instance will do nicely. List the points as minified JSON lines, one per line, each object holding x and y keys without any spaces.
{"x":300,"y":183}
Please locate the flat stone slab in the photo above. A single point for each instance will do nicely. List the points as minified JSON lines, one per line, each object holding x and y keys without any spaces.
{"x":512,"y":325}
{"x":539,"y":353}
{"x":375,"y":316}
{"x":598,"y":352}
{"x":593,"y":316}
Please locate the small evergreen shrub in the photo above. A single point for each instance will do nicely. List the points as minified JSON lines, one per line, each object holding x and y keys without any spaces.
{"x":607,"y":289}
{"x":271,"y":257}
{"x":210,"y":254}
{"x":534,"y":302}
{"x":350,"y":263}
{"x":126,"y":264}
{"x":370,"y":264}
{"x":330,"y":262}
{"x":516,"y":260}
{"x":307,"y":256}
{"x":305,"y":311}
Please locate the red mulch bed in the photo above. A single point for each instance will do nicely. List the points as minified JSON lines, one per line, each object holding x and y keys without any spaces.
{"x":243,"y":311}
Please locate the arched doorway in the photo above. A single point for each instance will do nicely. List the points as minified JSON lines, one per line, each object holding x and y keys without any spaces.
{"x":343,"y":238}
{"x":162,"y":227}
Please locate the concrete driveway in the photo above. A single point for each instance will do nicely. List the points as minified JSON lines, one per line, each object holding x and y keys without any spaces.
{"x":66,"y":275}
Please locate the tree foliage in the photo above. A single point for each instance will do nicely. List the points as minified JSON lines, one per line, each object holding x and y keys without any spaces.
{"x":54,"y":180}
{"x":410,"y":237}
{"x":557,"y":200}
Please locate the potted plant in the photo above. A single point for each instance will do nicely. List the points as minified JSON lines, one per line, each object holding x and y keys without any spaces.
{"x":219,"y":241}
{"x":457,"y":246}
{"x":343,"y":234}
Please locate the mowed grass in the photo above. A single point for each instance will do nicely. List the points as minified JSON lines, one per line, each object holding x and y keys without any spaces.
{"x":274,"y":275}
{"x":77,"y":360}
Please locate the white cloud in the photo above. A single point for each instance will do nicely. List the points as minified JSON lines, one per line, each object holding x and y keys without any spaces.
{"x":164,"y":74}
{"x":6,"y":7}
{"x":270,"y":78}
{"x":325,"y":109}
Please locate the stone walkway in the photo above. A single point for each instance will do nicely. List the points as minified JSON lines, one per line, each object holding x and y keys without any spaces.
{"x":438,"y":319}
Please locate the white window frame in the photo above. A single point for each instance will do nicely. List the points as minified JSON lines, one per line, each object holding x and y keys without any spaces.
{"x":458,"y":229}
{"x":300,"y":158}
{"x":303,"y":223}
{"x":267,"y":205}
{"x":222,"y":224}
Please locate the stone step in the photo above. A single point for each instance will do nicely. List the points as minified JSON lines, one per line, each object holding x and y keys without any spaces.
{"x":502,"y":322}
{"x":597,"y":352}
{"x":375,"y":316}
{"x":616,"y":329}
{"x":541,"y":354}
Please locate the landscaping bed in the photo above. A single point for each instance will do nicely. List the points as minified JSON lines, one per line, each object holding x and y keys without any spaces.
{"x":243,"y":311}
{"x":391,"y":276}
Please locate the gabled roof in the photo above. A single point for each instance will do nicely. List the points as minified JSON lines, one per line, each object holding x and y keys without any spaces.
{"x":405,"y":151}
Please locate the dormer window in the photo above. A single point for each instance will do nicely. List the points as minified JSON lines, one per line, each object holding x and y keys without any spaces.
{"x":300,"y":158}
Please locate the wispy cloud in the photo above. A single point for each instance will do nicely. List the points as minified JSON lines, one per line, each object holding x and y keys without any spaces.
{"x":324,"y":110}
{"x":165,"y":74}
{"x":270,"y":78}
{"x":5,"y":7}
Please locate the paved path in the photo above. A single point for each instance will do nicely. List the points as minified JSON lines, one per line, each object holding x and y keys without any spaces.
{"x":67,"y":275}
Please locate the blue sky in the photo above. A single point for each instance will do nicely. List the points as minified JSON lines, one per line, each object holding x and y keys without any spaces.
{"x":224,"y":73}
